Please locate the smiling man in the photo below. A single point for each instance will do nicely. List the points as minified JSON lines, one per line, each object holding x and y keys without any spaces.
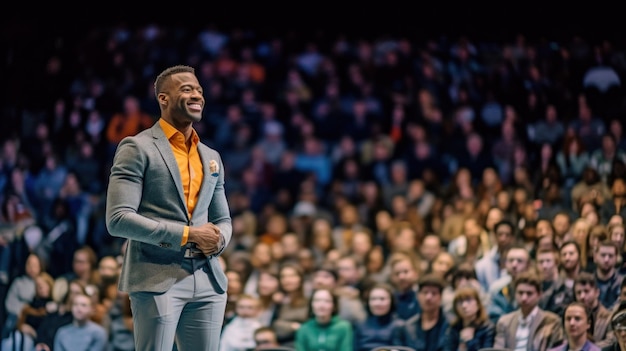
{"x":166,"y":196}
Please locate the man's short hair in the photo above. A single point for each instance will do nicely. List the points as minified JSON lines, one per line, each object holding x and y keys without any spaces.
{"x":586,"y":278}
{"x":530,"y":278}
{"x":432,"y":279}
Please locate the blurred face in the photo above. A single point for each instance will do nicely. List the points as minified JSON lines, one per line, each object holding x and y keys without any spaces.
{"x":247,"y":308}
{"x":494,"y":216}
{"x":403,"y":275}
{"x":379,"y":302}
{"x":544,"y":228}
{"x":561,"y":224}
{"x":504,"y":236}
{"x":322,"y":304}
{"x":546,"y":262}
{"x":348,"y":271}
{"x":516,"y":261}
{"x":527,"y":297}
{"x":472,"y":230}
{"x":81,"y":263}
{"x":617,"y":235}
{"x":267,"y":284}
{"x":323,"y":279}
{"x":429,"y":298}
{"x":290,"y":245}
{"x":261,"y":255}
{"x":81,"y":307}
{"x":443,"y":263}
{"x":430,"y":248}
{"x":108,"y":267}
{"x":576,"y":322}
{"x":605,"y":258}
{"x":290,"y":281}
{"x":235,"y":286}
{"x":375,"y":261}
{"x":33,"y":266}
{"x":405,"y":239}
{"x":570,"y":259}
{"x":361,"y":243}
{"x":42,"y":288}
{"x":467,"y":308}
{"x":580,"y":232}
{"x":587,"y":294}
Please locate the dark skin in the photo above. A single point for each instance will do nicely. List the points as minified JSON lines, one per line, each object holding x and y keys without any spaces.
{"x":181,"y":102}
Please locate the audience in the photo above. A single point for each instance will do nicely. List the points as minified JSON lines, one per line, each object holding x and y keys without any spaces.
{"x":351,"y":162}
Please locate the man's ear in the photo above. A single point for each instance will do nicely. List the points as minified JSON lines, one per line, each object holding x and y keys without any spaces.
{"x":162,"y":99}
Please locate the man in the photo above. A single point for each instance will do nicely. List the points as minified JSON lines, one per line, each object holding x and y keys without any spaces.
{"x":265,"y":338}
{"x":404,"y":276}
{"x":491,"y":266}
{"x":349,"y":287}
{"x":529,"y":327}
{"x":82,"y":333}
{"x":166,"y":196}
{"x":425,"y":331}
{"x":238,"y":333}
{"x":588,"y":293}
{"x":569,"y":256}
{"x":556,"y":296}
{"x":501,"y":292}
{"x":607,"y":277}
{"x":430,"y":247}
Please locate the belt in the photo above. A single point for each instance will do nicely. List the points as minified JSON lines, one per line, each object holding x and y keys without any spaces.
{"x":193,"y":253}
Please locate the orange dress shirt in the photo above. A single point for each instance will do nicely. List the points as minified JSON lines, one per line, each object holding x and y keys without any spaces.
{"x":189,"y":164}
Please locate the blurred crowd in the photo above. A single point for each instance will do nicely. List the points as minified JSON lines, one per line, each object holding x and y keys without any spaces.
{"x":361,"y":165}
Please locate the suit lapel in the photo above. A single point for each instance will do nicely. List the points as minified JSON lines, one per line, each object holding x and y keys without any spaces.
{"x":512,"y":341}
{"x":165,"y":149}
{"x":204,"y":188}
{"x":534,"y":325}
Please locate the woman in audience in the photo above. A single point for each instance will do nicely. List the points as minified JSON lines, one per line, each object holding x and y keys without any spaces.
{"x":471,"y":330}
{"x":324,"y":329}
{"x":376,"y":330}
{"x":268,"y":289}
{"x":293,"y":309}
{"x":21,"y":292}
{"x":577,"y":323}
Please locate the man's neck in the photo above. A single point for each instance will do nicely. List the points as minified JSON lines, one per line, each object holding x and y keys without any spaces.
{"x":573,"y":273}
{"x":577,"y":343}
{"x":605,"y":276}
{"x":430,"y":315}
{"x":526,"y":313}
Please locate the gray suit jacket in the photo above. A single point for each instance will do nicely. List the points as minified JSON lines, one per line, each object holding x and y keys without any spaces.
{"x":146,"y":205}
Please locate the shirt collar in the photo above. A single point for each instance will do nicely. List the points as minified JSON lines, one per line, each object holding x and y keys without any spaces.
{"x":530,"y":317}
{"x":170,"y":131}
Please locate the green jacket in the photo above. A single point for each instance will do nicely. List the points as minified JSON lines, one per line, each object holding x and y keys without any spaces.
{"x":334,"y":336}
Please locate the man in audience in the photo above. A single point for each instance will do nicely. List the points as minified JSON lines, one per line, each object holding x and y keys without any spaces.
{"x":502,"y":292}
{"x":607,"y":277}
{"x":588,"y":293}
{"x":556,"y":296}
{"x":528,"y":327}
{"x":491,"y":266}
{"x":425,"y":330}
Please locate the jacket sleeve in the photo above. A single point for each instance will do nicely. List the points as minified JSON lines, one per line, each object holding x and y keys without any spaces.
{"x":499,"y":341}
{"x":451,"y":339}
{"x":398,"y":336}
{"x":484,"y":339}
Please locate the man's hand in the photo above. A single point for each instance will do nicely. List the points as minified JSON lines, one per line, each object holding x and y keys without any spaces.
{"x":206,"y":237}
